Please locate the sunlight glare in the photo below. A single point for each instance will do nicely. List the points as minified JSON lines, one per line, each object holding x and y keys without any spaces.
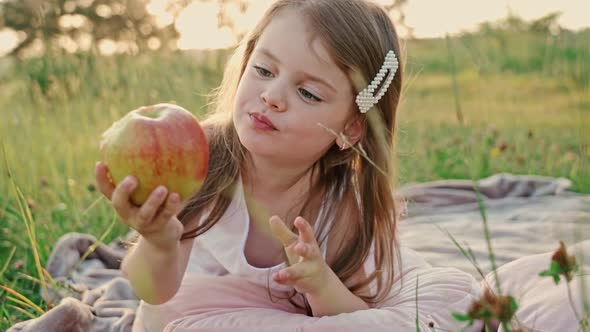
{"x":74,"y":21}
{"x":255,"y":10}
{"x":158,"y":9}
{"x":107,"y":46}
{"x":197,"y":26}
{"x":8,"y":41}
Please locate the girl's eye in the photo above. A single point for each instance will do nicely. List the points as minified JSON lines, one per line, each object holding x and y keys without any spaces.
{"x":262,"y":72}
{"x":304,"y":93}
{"x":308,"y":95}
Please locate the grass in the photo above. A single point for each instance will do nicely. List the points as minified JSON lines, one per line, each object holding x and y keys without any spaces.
{"x":524,"y":101}
{"x":508,"y":129}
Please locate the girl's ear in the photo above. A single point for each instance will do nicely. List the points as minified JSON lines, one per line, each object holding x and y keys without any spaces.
{"x":353,"y":131}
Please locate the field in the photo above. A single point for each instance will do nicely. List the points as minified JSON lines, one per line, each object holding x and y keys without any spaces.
{"x":473,"y":106}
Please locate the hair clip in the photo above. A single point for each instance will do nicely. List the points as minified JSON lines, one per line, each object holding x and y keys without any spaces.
{"x":366,"y":99}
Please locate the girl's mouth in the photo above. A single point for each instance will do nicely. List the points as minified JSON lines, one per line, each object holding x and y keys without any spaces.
{"x":261,"y":122}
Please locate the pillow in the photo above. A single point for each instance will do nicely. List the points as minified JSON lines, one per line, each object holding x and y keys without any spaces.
{"x":543,"y":305}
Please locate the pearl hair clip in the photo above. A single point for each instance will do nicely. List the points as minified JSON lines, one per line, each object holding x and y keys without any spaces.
{"x":366,"y":99}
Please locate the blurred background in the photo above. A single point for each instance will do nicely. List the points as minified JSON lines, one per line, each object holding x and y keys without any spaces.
{"x":491,"y":87}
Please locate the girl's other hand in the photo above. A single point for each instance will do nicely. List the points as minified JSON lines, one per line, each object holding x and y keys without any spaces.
{"x":307,"y":272}
{"x":155,"y":220}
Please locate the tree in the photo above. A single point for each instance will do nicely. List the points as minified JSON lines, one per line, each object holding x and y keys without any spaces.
{"x":396,"y":7}
{"x":73,"y":25}
{"x":82,"y":24}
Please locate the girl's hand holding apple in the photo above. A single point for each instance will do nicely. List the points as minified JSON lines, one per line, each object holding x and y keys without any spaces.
{"x":150,"y":151}
{"x":155,"y":219}
{"x":161,"y":144}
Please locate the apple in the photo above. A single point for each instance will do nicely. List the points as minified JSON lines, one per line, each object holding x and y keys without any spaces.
{"x":161,"y":144}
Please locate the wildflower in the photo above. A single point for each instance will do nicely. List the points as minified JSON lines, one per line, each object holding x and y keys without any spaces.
{"x":490,"y":308}
{"x":562,"y":264}
{"x":18,"y":264}
{"x":31,"y":203}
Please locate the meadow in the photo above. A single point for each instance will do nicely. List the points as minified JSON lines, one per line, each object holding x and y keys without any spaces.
{"x":473,"y":105}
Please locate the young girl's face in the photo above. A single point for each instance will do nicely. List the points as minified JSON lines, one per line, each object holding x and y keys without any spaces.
{"x":291,"y":80}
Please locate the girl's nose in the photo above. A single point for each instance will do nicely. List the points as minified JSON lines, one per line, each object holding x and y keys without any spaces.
{"x":273,"y":100}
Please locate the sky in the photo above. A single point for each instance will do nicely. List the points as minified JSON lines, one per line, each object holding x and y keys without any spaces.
{"x":429,"y":18}
{"x":432,"y":18}
{"x":197,"y":25}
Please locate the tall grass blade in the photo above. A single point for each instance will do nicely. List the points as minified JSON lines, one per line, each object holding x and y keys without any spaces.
{"x":23,"y":298}
{"x":487,"y":236}
{"x":93,"y":247}
{"x":21,"y":310}
{"x":29,"y":223}
{"x":7,"y":262}
{"x":458,"y":111}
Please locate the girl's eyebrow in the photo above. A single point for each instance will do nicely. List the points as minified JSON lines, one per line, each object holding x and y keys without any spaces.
{"x":306,"y":75}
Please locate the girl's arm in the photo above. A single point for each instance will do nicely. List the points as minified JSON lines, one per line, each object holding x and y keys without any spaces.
{"x":155,"y":274}
{"x":334,"y":298}
{"x":156,"y":265}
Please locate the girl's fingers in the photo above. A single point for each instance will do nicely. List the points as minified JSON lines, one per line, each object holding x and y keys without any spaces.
{"x":292,"y":256}
{"x":286,"y":277}
{"x":305,"y":231}
{"x":281,"y":232}
{"x":121,"y":195}
{"x":105,"y":186}
{"x":305,"y":250}
{"x":287,"y":238}
{"x":292,"y":274}
{"x":170,"y":210}
{"x":148,"y":210}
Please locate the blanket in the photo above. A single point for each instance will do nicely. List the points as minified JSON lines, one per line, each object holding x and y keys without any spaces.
{"x":526,"y":215}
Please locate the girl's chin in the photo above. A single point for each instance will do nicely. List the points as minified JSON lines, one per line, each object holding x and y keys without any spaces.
{"x":261,"y":149}
{"x":258,"y":145}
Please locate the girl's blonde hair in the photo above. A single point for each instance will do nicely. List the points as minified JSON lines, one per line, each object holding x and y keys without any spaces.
{"x":356,"y":191}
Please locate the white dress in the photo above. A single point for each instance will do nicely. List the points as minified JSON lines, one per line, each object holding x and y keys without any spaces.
{"x":221,"y":287}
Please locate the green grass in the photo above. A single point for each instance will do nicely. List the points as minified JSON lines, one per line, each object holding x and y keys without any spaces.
{"x":526,"y":110}
{"x":517,"y":124}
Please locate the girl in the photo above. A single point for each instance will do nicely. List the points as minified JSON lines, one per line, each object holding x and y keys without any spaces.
{"x":296,"y":217}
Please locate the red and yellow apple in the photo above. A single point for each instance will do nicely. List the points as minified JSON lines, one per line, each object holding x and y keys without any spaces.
{"x":161,"y":144}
